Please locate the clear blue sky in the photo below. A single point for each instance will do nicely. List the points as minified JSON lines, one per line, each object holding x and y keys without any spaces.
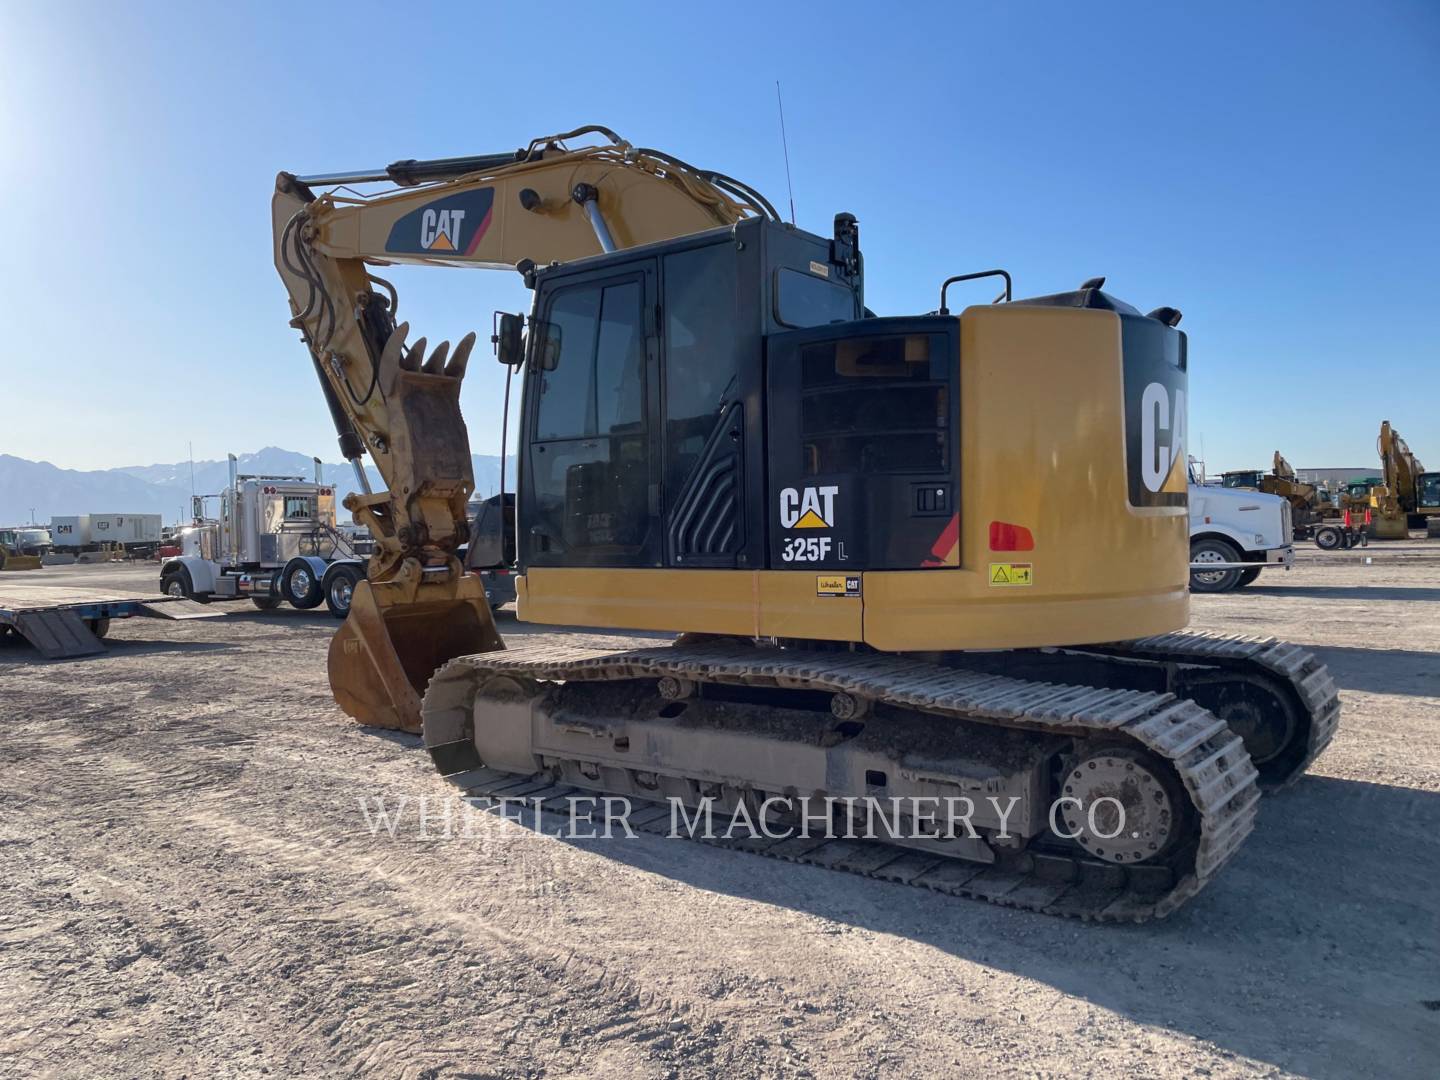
{"x":1272,"y":169}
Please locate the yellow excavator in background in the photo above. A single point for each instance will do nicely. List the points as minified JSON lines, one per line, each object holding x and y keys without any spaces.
{"x":1409,"y":497}
{"x":909,"y":558}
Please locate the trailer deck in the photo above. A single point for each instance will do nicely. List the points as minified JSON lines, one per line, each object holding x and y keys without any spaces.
{"x":62,"y":622}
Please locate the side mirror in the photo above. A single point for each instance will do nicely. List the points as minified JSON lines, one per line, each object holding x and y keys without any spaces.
{"x":545,"y":345}
{"x":509,"y":345}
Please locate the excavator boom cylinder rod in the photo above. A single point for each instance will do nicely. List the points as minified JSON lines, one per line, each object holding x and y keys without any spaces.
{"x":409,"y":172}
{"x":585,"y":196}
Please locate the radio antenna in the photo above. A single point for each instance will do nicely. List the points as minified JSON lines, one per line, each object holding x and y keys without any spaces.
{"x":785,"y":145}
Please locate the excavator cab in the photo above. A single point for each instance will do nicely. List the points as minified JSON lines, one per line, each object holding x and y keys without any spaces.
{"x":643,"y":436}
{"x":724,"y":422}
{"x":1427,"y":492}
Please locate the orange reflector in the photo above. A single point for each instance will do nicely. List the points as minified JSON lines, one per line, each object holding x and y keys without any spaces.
{"x":1007,"y":537}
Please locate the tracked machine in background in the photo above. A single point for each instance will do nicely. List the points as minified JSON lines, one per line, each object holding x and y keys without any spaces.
{"x":1304,"y":499}
{"x":1331,"y":525}
{"x":931,"y":556}
{"x":1408,"y":497}
{"x":11,"y":558}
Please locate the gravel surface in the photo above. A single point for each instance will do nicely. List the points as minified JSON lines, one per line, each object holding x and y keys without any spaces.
{"x":188,"y":886}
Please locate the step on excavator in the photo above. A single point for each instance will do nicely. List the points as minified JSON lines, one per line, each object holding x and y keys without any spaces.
{"x":925,"y":560}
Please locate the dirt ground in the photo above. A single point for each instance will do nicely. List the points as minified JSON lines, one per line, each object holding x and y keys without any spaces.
{"x":188,"y":887}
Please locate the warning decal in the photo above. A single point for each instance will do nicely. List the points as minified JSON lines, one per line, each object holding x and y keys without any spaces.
{"x":1012,"y":573}
{"x":837,"y":585}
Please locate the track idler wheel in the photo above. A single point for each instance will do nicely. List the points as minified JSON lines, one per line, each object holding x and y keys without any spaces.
{"x":1266,"y":720}
{"x":1121,"y":805}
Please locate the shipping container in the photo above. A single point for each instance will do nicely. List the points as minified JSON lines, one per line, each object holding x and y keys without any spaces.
{"x":127,"y":529}
{"x":70,"y":532}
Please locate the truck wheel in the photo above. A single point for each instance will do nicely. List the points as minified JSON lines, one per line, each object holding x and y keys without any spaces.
{"x":99,"y":627}
{"x":1247,"y":577}
{"x":1329,"y":537}
{"x":177,"y":582}
{"x":340,"y":588}
{"x":1213,"y":581}
{"x":266,"y":603}
{"x":300,"y":586}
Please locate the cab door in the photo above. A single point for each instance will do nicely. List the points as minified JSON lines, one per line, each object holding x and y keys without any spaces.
{"x":590,"y":494}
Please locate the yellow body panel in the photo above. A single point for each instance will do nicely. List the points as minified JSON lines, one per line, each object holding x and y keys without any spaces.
{"x":1042,"y":430}
{"x":1042,"y":445}
{"x":747,"y":603}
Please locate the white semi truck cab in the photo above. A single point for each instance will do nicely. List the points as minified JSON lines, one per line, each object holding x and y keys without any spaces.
{"x":1234,"y":534}
{"x":275,"y":541}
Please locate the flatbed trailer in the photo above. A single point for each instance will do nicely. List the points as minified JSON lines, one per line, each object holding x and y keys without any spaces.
{"x":62,"y":623}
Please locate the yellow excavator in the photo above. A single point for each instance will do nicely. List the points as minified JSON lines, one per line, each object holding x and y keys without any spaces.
{"x":1409,"y":497}
{"x":917,"y":560}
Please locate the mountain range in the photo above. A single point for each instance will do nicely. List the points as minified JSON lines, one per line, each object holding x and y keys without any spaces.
{"x":38,"y":490}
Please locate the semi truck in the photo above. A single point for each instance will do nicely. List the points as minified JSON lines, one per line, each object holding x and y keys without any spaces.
{"x":1234,"y":534}
{"x":274,"y":541}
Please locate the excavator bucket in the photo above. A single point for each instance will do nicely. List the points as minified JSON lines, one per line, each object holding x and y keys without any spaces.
{"x":389,"y":645}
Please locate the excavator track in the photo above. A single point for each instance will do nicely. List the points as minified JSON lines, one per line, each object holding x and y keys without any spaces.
{"x":1210,"y":762}
{"x":1285,"y":667}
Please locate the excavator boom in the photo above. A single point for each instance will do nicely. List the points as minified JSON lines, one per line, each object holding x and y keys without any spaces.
{"x":1397,"y":502}
{"x":546,"y":202}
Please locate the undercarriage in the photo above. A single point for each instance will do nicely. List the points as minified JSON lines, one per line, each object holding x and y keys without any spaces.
{"x":986,"y":775}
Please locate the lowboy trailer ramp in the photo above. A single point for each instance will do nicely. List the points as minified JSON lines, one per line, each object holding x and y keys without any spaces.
{"x":64,"y":623}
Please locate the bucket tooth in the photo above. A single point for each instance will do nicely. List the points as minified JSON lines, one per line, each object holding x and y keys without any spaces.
{"x":411,"y":360}
{"x":435,"y":362}
{"x":456,"y":367}
{"x":394,"y":350}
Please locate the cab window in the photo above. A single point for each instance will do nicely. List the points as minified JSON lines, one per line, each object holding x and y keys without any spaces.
{"x":875,"y":405}
{"x":598,"y":384}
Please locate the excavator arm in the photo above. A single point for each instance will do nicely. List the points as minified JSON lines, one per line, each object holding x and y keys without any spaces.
{"x":400,"y":402}
{"x":1396,"y":500}
{"x":1400,"y":466}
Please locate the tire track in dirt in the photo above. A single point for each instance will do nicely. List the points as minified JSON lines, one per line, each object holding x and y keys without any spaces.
{"x":182,"y":781}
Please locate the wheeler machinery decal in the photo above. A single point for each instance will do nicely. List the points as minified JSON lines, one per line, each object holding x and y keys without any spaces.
{"x":837,"y":585}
